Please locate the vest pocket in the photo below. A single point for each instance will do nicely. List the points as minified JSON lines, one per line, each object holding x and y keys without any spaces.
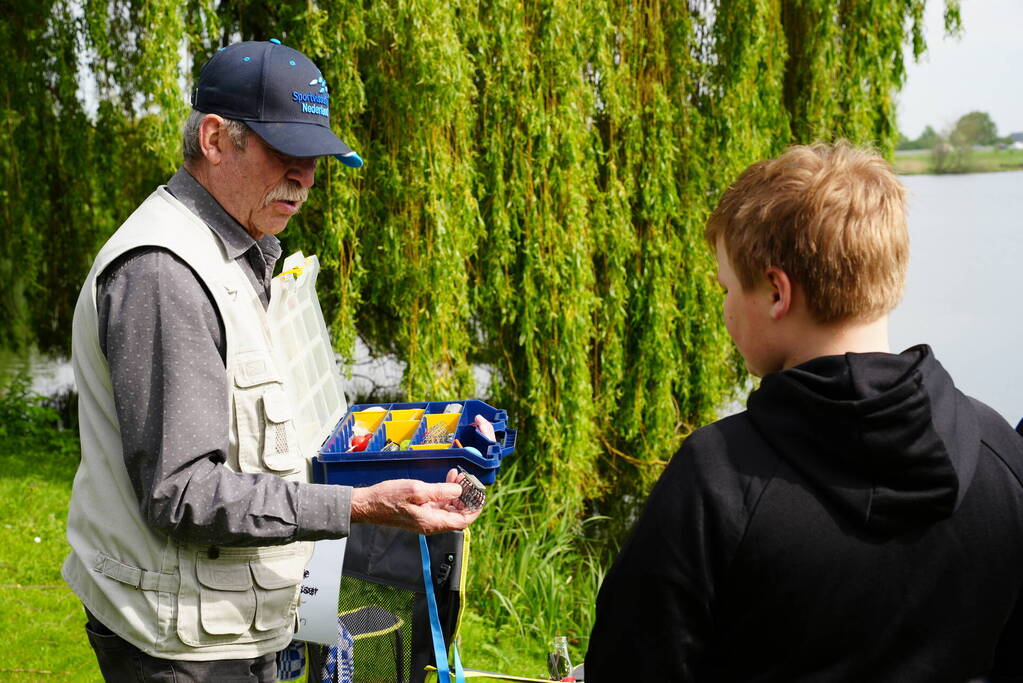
{"x":227,"y":603}
{"x":265,"y":427}
{"x":276,"y":588}
{"x":246,"y":595}
{"x":281,"y":452}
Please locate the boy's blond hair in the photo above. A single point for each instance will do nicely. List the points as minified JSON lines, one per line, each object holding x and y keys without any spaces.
{"x":833,"y":217}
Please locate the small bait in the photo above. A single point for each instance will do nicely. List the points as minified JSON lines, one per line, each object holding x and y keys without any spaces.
{"x":474,"y":494}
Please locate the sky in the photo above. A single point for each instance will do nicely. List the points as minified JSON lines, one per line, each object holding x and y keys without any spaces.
{"x":982,"y":70}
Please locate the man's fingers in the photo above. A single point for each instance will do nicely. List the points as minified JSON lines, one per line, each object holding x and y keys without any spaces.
{"x":399,"y":491}
{"x":437,"y":520}
{"x":439,"y":492}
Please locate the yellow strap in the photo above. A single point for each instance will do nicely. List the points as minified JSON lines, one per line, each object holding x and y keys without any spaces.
{"x":296,"y":271}
{"x":463,"y":581}
{"x":431,"y":676}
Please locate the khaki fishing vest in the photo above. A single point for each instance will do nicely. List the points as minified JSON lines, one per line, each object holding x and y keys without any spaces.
{"x":169,"y":599}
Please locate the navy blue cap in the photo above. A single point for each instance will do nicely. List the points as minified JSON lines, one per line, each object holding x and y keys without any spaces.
{"x":278,"y":92}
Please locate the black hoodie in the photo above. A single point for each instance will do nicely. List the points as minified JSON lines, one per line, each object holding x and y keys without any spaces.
{"x":861,"y":521}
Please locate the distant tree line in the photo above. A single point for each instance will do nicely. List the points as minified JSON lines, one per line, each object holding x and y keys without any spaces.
{"x":975,"y":128}
{"x":951,"y":150}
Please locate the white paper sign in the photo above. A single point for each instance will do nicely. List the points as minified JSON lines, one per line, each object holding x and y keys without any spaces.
{"x":317,"y":604}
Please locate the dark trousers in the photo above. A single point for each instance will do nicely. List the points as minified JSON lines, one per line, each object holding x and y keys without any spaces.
{"x":122,"y":662}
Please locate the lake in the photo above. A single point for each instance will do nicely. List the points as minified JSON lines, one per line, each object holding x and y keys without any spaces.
{"x":965,"y":282}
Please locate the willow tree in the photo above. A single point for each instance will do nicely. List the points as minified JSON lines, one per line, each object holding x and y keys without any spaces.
{"x":537,"y":179}
{"x":44,"y":147}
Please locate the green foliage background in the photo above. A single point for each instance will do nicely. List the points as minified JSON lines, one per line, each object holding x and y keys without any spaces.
{"x":537,"y":178}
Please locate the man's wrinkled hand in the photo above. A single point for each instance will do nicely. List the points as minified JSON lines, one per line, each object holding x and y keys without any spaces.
{"x":413,"y":505}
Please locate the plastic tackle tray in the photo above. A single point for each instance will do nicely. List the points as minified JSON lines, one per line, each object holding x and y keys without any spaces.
{"x":400,"y":422}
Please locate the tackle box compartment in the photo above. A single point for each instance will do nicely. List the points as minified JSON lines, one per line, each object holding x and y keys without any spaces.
{"x":408,"y":424}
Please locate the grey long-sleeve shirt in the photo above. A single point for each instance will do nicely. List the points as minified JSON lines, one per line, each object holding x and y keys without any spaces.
{"x":164,"y":341}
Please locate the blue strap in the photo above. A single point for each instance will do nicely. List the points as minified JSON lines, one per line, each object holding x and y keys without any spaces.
{"x":440,"y":651}
{"x":459,"y":671}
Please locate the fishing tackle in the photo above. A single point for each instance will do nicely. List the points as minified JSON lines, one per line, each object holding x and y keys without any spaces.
{"x":474,"y":494}
{"x":438,"y":434}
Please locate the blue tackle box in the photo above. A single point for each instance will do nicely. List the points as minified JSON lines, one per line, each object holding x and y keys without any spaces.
{"x":411,"y":425}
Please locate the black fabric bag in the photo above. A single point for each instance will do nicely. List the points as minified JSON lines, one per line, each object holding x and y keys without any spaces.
{"x":383,"y":600}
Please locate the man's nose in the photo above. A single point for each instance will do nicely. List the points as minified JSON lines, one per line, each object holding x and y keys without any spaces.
{"x":302,"y":170}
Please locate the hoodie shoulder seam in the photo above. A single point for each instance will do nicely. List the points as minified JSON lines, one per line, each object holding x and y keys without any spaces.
{"x":749,"y":508}
{"x":1013,"y":470}
{"x":1005,"y":440}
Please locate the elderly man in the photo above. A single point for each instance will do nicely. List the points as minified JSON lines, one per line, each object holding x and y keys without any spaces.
{"x":190,"y":523}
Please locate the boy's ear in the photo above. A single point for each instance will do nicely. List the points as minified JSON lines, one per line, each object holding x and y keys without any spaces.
{"x":780,"y":291}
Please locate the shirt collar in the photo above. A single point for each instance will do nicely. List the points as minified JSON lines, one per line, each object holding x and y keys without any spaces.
{"x":199,"y":201}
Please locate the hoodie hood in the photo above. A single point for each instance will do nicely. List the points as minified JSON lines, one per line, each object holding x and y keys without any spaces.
{"x":887,"y":438}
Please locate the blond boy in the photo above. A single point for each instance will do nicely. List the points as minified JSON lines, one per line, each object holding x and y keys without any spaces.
{"x":862,"y":520}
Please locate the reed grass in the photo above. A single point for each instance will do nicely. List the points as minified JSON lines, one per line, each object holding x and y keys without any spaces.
{"x":534,"y":573}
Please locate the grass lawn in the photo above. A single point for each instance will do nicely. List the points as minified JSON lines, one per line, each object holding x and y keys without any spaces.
{"x":980,"y":161}
{"x":42,"y":623}
{"x":41,"y":626}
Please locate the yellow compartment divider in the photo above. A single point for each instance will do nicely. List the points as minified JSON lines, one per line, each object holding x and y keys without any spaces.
{"x":399,"y":430}
{"x":370,"y":419}
{"x":406,"y":414}
{"x":429,"y":446}
{"x":449,"y":420}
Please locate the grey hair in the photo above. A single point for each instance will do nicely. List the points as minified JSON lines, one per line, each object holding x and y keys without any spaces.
{"x":190,"y":149}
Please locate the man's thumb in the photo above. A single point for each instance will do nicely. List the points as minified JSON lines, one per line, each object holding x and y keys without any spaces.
{"x":444,"y":491}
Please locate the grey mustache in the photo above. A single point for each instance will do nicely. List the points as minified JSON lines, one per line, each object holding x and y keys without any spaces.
{"x":287,"y":192}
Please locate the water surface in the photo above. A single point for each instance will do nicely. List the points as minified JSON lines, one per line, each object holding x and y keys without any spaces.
{"x":964,"y":287}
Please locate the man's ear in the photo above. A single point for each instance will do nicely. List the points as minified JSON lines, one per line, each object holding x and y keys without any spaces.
{"x":780,"y":287}
{"x":212,"y":138}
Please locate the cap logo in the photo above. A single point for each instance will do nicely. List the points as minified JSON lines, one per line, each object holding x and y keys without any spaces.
{"x":314,"y":103}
